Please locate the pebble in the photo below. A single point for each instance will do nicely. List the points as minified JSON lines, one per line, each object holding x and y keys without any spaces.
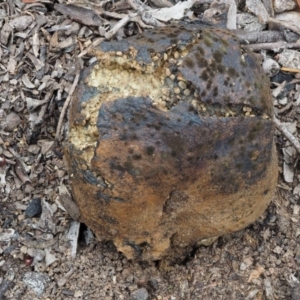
{"x":243,"y":266}
{"x":36,"y":281}
{"x":186,"y":92}
{"x":12,"y":121}
{"x":153,"y":283}
{"x":34,"y":208}
{"x":140,"y":294}
{"x":78,"y":294}
{"x":177,"y":90}
{"x":182,"y":85}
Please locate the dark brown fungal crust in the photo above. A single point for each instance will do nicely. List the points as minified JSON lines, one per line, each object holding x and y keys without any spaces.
{"x":171,"y":141}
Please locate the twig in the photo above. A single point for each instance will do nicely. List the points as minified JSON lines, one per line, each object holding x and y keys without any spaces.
{"x":19,"y":170}
{"x":139,"y":21}
{"x":119,"y":25}
{"x":7,"y":283}
{"x":63,"y":111}
{"x":161,"y":3}
{"x":293,"y":140}
{"x":138,"y":5}
{"x":249,"y":37}
{"x":272,"y":46}
{"x":148,"y":19}
{"x":231,"y":15}
{"x":285,"y":25}
{"x":19,"y":159}
{"x":43,"y":110}
{"x":112,"y":14}
{"x":143,"y":11}
{"x":285,"y":108}
{"x":40,"y":244}
{"x":94,"y":44}
{"x":285,"y":69}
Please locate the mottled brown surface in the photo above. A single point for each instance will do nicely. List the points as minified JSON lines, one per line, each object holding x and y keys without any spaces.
{"x":162,"y":178}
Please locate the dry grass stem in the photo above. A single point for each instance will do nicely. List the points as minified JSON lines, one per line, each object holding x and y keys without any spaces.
{"x":64,"y":109}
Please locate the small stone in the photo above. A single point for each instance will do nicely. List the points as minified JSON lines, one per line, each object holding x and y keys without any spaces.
{"x":23,"y":249}
{"x":129,"y":278}
{"x":36,"y":281}
{"x":11,"y":122}
{"x":21,"y":217}
{"x":78,"y":294}
{"x":153,"y":283}
{"x":283,"y":101}
{"x":277,"y":250}
{"x":34,"y":208}
{"x":182,"y":85}
{"x":140,"y":294}
{"x":177,"y":90}
{"x":186,"y":92}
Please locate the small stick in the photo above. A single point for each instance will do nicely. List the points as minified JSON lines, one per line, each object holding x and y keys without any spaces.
{"x":139,"y":21}
{"x":292,"y":70}
{"x":7,"y":283}
{"x":118,"y":26}
{"x":285,"y":25}
{"x":113,"y":15}
{"x":277,"y":46}
{"x":63,"y":111}
{"x":94,"y":44}
{"x":138,"y":5}
{"x":293,"y":140}
{"x":4,"y":286}
{"x":144,"y":11}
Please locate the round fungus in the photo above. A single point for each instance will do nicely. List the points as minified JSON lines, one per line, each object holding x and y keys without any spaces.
{"x":176,"y":136}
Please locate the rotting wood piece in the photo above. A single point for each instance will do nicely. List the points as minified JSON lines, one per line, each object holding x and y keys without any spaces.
{"x":171,"y":141}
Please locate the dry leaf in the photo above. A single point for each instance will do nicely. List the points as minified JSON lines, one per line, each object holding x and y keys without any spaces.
{"x":268,"y":288}
{"x":30,"y":1}
{"x":283,"y":5}
{"x":258,"y":9}
{"x":291,"y":17}
{"x":288,"y":172}
{"x":267,"y":234}
{"x":72,"y":236}
{"x":175,"y":12}
{"x":21,"y":23}
{"x":162,"y":3}
{"x":36,"y":44}
{"x":289,"y":58}
{"x":256,"y":273}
